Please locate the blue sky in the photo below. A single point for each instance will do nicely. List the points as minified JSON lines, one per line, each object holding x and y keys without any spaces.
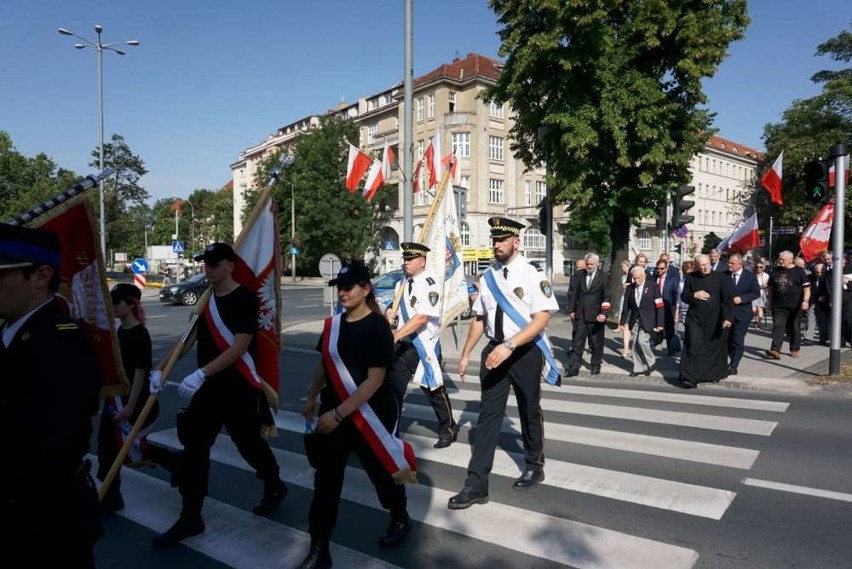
{"x":211,"y":78}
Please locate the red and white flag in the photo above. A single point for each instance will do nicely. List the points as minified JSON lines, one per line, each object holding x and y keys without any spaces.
{"x":818,"y":233}
{"x":375,"y":180}
{"x":432,"y":157}
{"x":452,"y":164}
{"x":771,"y":180}
{"x":415,"y":178}
{"x":388,"y":157}
{"x":745,"y":238}
{"x":831,"y":172}
{"x":258,"y":268}
{"x":357,"y":166}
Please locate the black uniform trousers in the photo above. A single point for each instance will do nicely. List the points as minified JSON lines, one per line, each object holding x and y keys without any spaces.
{"x":594,"y":331}
{"x":404,"y":366}
{"x":822,"y":310}
{"x":786,"y":321}
{"x":332,"y":454}
{"x":522,"y":370}
{"x":222,"y":401}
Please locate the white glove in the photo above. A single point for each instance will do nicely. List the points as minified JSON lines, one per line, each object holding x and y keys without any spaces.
{"x":154,"y":379}
{"x":192,"y":383}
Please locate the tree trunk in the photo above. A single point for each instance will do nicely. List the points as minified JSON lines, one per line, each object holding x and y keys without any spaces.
{"x":620,"y":235}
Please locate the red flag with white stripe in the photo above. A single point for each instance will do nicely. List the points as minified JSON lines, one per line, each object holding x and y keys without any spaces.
{"x":831,"y":171}
{"x":771,"y":180}
{"x":816,"y":236}
{"x":356,"y":167}
{"x":745,"y":238}
{"x":375,"y":180}
{"x":432,"y":157}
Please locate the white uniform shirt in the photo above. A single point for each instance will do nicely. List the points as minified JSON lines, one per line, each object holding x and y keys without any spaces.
{"x":527,"y":283}
{"x":424,"y":298}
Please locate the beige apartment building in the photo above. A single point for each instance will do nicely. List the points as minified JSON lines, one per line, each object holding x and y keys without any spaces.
{"x":447,"y":105}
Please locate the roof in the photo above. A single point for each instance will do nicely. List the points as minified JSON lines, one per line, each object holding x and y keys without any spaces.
{"x":735,"y":148}
{"x":473,"y":65}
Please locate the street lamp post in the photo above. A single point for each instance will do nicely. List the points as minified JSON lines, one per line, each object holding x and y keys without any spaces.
{"x":292,"y":230}
{"x":100,"y":47}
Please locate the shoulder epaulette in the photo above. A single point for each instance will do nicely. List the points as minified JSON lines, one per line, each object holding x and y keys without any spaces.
{"x":430,"y":280}
{"x":66,"y":326}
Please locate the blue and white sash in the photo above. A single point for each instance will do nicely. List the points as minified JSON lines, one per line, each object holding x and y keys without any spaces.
{"x":550,"y":369}
{"x":428,"y":373}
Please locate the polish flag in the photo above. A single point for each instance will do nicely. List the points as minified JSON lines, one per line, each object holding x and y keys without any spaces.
{"x":415,"y":178}
{"x":771,"y":180}
{"x":831,"y":172}
{"x":358,"y":165}
{"x":744,"y":238}
{"x":432,"y":156}
{"x":375,"y":180}
{"x":815,"y":238}
{"x":452,"y":164}
{"x":388,"y":157}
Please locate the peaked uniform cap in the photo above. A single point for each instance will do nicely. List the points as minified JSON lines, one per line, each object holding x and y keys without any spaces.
{"x":502,"y":227}
{"x":411,"y":250}
{"x":23,"y":246}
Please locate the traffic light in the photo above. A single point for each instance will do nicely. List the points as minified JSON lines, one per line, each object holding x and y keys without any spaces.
{"x":542,"y":218}
{"x":816,"y":181}
{"x":678,"y":248}
{"x":681,"y":207}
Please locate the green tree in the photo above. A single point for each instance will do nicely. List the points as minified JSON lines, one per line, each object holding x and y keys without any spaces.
{"x":121,"y":190}
{"x":616,"y":86}
{"x":711,"y":240}
{"x":808,"y":128}
{"x":329,"y":219}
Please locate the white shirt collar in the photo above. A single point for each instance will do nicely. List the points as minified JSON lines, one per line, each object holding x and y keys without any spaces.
{"x":10,"y":330}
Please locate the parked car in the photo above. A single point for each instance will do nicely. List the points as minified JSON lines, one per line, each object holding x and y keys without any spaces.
{"x":186,"y":292}
{"x":384,"y":286}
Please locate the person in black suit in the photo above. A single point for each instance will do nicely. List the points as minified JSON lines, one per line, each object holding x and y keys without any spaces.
{"x":822,"y":303}
{"x":716,"y":263}
{"x":744,"y":290}
{"x":589,"y":309}
{"x":643,"y":313}
{"x":51,"y":383}
{"x":667,"y":280}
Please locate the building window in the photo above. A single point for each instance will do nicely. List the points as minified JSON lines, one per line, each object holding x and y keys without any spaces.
{"x":533,"y":238}
{"x":643,"y":239}
{"x":495,"y":147}
{"x":419,"y":108}
{"x":464,"y":234}
{"x":461,"y":144}
{"x":430,"y":108}
{"x":421,"y":149}
{"x":372,"y":132}
{"x":495,"y":191}
{"x":540,"y":191}
{"x":452,"y":99}
{"x":495,"y":109}
{"x":527,"y":192}
{"x":464,"y":182}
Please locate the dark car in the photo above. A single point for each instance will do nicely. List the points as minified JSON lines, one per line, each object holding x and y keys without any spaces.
{"x":186,"y":292}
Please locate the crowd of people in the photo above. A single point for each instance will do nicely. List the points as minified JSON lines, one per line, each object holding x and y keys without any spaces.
{"x":368,"y":360}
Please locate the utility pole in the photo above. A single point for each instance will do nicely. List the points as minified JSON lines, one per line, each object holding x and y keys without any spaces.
{"x":408,"y":126}
{"x":838,"y":154}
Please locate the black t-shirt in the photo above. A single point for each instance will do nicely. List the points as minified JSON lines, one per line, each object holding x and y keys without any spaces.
{"x":363,"y":344}
{"x":239,"y":310}
{"x":135,"y":347}
{"x":787,"y":285}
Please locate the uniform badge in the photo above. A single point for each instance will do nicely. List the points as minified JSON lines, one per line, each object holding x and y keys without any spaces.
{"x":25,"y":336}
{"x":519,"y":292}
{"x":433,"y":298}
{"x":413,"y":301}
{"x":546,"y":289}
{"x":430,"y":280}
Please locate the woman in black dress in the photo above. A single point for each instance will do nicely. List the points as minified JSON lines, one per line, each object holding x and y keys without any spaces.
{"x":705,"y":352}
{"x":357,"y":411}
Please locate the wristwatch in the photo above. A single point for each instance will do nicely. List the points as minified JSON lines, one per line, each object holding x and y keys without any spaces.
{"x":509,"y":345}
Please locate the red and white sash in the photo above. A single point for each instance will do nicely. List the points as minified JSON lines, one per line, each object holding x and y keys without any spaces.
{"x":224,"y":339}
{"x":396,"y":455}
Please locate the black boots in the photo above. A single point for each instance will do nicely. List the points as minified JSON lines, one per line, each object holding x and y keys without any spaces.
{"x":319,"y":557}
{"x":396,"y":532}
{"x":273,"y":493}
{"x":187,"y":525}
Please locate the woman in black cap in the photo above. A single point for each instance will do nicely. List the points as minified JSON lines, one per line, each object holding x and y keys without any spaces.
{"x":357,"y":412}
{"x":120,"y":413}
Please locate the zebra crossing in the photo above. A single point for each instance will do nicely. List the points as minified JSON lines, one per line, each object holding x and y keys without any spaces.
{"x":693,"y":452}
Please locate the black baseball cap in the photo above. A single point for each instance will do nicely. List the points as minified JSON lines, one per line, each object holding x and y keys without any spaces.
{"x":353,"y":273}
{"x":123,"y":291}
{"x":216,"y":252}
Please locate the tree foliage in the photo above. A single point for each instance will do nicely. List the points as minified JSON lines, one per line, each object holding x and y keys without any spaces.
{"x":808,"y":129}
{"x":328,"y":218}
{"x":609,"y":93}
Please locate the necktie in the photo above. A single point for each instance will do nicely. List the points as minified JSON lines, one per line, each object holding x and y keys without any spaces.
{"x":498,"y":317}
{"x":735,"y":278}
{"x":638,"y":294}
{"x":589,"y":279}
{"x":410,"y":286}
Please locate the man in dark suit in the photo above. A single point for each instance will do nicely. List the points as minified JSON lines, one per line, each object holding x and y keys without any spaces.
{"x":744,"y":289}
{"x":51,"y":382}
{"x":643,"y":313}
{"x":589,"y":309}
{"x":716,"y":263}
{"x":667,"y":281}
{"x":822,"y":303}
{"x":579,"y":265}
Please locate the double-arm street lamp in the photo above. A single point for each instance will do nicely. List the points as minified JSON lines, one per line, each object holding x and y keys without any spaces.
{"x":100,"y":47}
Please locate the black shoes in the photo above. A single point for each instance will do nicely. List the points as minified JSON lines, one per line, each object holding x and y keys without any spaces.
{"x":686,"y":384}
{"x":112,"y":502}
{"x":396,"y":532}
{"x":596,"y":370}
{"x":467,"y":498}
{"x":272,"y":496}
{"x":646,"y":373}
{"x":528,"y":479}
{"x":319,"y":557}
{"x":447,"y":438}
{"x":186,"y":526}
{"x":732,"y":371}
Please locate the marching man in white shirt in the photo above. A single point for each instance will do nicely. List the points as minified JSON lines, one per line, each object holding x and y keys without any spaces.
{"x":514,"y":305}
{"x":417,"y":352}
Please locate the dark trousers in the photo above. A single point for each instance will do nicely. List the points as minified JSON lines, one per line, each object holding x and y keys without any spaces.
{"x":330,"y":469}
{"x":594,"y":331}
{"x":669,"y":325}
{"x":110,"y":442}
{"x":846,"y":318}
{"x":522,"y":370}
{"x":404,"y":365}
{"x":822,"y":311}
{"x":234,"y":404}
{"x":736,"y":338}
{"x":786,"y":321}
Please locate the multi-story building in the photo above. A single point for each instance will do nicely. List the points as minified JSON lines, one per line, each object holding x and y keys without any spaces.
{"x":448,"y":106}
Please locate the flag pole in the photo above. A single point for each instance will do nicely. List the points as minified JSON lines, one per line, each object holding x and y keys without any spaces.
{"x":47,"y":205}
{"x":177,"y":351}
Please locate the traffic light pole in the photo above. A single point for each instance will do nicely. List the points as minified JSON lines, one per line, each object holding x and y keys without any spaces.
{"x":838,"y":153}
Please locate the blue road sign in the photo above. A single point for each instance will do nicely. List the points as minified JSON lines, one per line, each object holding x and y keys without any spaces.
{"x":177,"y":247}
{"x":139,"y":266}
{"x":294,"y":250}
{"x":389,"y":245}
